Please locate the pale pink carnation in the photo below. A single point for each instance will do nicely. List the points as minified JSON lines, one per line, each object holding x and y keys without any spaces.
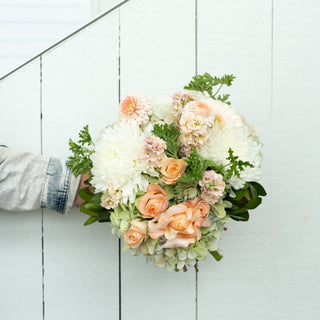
{"x":135,"y":108}
{"x":111,"y":198}
{"x":224,"y":114}
{"x":179,"y":100}
{"x":153,"y":151}
{"x":195,"y":122}
{"x":212,"y":187}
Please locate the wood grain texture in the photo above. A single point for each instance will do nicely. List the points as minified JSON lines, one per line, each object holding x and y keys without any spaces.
{"x":235,"y":37}
{"x":157,"y":58}
{"x":20,"y":233}
{"x":270,"y":266}
{"x":29,"y":27}
{"x":296,"y":152}
{"x":80,"y":86}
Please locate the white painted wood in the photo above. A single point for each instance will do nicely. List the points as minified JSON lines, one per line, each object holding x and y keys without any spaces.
{"x":155,"y":47}
{"x":296,"y":131}
{"x":80,"y":86}
{"x":28,"y":27}
{"x":157,"y":58}
{"x":20,"y":233}
{"x":270,"y":266}
{"x":235,"y":37}
{"x":100,"y":6}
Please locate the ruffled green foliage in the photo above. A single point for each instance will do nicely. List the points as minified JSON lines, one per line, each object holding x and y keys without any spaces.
{"x":197,"y":165}
{"x":170,"y":134}
{"x":205,"y":83}
{"x":245,"y":199}
{"x":80,"y":162}
{"x":236,"y":165}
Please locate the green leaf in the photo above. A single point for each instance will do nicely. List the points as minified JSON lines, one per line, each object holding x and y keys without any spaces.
{"x":151,"y":180}
{"x":239,"y":195}
{"x":170,"y":134}
{"x":227,"y":79}
{"x":253,"y":191}
{"x":169,"y":189}
{"x":259,"y":188}
{"x":219,"y":210}
{"x":86,"y":194}
{"x":104,"y":216}
{"x":240,"y":217}
{"x":224,"y":98}
{"x":91,"y":206}
{"x":85,"y":137}
{"x":87,"y":211}
{"x":255,"y":202}
{"x":205,"y":83}
{"x":246,"y":195}
{"x":196,"y":167}
{"x":217,"y":255}
{"x":96,"y":200}
{"x":183,"y":185}
{"x":80,"y":162}
{"x":235,"y":210}
{"x":202,"y":83}
{"x":236,"y":166}
{"x":91,"y":220}
{"x":91,"y":209}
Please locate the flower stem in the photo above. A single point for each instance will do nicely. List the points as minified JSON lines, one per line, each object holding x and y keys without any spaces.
{"x":214,"y":96}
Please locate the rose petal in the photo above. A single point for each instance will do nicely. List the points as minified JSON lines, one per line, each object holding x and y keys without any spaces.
{"x":170,"y":233}
{"x":181,"y":242}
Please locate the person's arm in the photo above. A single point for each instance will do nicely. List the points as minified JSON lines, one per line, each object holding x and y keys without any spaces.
{"x":30,"y":182}
{"x":78,"y":200}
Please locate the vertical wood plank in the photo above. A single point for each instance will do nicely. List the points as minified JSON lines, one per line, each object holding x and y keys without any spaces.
{"x":27,"y":28}
{"x":20,"y":233}
{"x":157,"y":59}
{"x":296,"y":132}
{"x":80,"y":86}
{"x":235,"y":37}
{"x":100,"y":6}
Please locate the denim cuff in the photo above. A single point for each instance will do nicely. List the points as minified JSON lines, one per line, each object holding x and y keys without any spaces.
{"x":60,"y":187}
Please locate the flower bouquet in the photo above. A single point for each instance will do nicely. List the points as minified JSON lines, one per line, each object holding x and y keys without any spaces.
{"x":172,"y":172}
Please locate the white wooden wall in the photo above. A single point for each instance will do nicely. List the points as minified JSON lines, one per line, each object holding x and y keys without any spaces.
{"x":98,"y":7}
{"x":28,"y":27}
{"x":54,"y":268}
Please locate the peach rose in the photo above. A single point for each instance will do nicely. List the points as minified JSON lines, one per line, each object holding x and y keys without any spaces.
{"x":153,"y":202}
{"x":134,"y":236}
{"x":172,"y":169}
{"x":177,"y":226}
{"x":200,"y":212}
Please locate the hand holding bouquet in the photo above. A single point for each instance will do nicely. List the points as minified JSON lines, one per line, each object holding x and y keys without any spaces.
{"x":171,"y":172}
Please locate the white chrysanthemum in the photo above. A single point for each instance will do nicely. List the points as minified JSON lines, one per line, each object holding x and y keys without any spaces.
{"x":117,"y":160}
{"x":223,"y":113}
{"x":242,"y":144}
{"x":161,"y":111}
